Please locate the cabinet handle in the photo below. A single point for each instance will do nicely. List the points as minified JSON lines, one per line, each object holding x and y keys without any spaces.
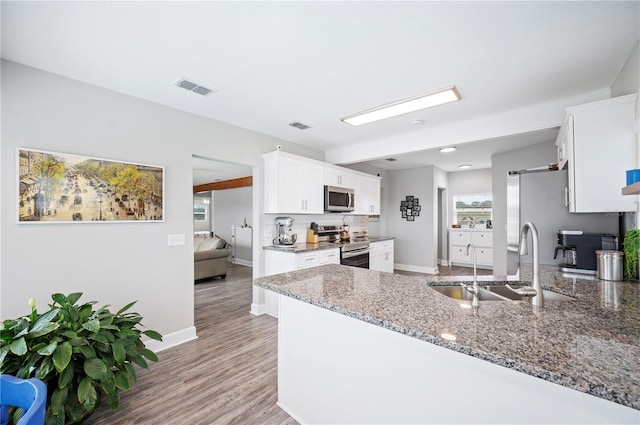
{"x":566,"y":197}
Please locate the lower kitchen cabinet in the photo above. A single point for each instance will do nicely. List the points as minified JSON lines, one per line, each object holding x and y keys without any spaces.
{"x":482,"y":239}
{"x":381,"y":256}
{"x":281,"y":262}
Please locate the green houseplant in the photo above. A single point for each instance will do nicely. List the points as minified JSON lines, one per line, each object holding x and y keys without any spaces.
{"x":83,"y":355}
{"x":631,"y":247}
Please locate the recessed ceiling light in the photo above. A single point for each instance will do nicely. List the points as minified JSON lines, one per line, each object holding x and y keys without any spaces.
{"x":449,"y":94}
{"x":390,"y":159}
{"x":448,"y":149}
{"x":464,"y":166}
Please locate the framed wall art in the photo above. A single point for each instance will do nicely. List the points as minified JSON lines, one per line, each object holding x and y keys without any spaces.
{"x":410,"y":208}
{"x":66,"y":188}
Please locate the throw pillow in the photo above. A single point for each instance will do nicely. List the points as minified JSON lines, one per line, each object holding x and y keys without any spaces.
{"x":208,"y":243}
{"x":221,"y":244}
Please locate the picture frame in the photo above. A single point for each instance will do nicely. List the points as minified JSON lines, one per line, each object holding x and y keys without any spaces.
{"x":410,"y":208}
{"x":54,"y":187}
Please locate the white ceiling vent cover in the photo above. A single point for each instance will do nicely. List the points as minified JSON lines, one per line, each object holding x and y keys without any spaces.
{"x":299,"y":125}
{"x":194,"y":87}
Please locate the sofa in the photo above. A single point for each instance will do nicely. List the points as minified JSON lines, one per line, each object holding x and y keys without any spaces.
{"x":210,"y":257}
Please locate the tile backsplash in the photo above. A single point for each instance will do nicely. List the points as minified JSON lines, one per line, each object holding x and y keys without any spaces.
{"x":302,"y":222}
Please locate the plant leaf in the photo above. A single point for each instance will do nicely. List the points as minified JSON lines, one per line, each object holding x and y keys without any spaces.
{"x":58,"y":399}
{"x":74,"y":297}
{"x":74,"y":408}
{"x":3,"y":353}
{"x":87,"y":395}
{"x":19,"y":347}
{"x":43,"y":330}
{"x":96,"y":369}
{"x":65,"y":377}
{"x":55,"y":419}
{"x":43,"y":320}
{"x":59,"y":298}
{"x":150,"y":355}
{"x":109,"y":386}
{"x":122,"y":380}
{"x":125,"y":308}
{"x":113,"y":401}
{"x":62,"y":356}
{"x":140,"y":362}
{"x":87,"y":351}
{"x":92,"y":325}
{"x":131,"y":371}
{"x":153,"y":335}
{"x":119,"y":353}
{"x":45,"y":368}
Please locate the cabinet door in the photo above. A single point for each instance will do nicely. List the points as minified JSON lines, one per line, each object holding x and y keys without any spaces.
{"x":602,"y":148}
{"x":368,"y":196}
{"x":300,"y":187}
{"x":484,"y":256}
{"x":482,"y":239}
{"x":329,"y":256}
{"x":457,"y":237}
{"x":458,"y":254}
{"x":339,"y":178}
{"x":306,"y":260}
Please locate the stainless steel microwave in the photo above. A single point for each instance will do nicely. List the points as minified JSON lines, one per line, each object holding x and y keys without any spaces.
{"x":338,"y":199}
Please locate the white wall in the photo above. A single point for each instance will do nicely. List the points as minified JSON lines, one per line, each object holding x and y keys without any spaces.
{"x":230,"y":208}
{"x":112,"y":263}
{"x":416,"y":241}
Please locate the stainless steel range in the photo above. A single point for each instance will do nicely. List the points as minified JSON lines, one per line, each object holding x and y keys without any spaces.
{"x":354,"y":251}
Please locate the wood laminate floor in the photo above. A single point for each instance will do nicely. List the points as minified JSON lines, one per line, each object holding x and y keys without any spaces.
{"x":226,"y":376}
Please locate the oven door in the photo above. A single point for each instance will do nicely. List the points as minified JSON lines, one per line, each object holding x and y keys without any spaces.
{"x":356,"y":258}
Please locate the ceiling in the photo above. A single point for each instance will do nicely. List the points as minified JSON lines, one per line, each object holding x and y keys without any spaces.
{"x":272,"y":63}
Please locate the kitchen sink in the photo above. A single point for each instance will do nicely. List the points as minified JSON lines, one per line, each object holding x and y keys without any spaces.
{"x":507,"y":293}
{"x":494,"y":293}
{"x":460,"y":293}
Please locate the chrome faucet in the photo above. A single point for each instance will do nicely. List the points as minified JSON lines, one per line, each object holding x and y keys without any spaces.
{"x":475,"y":290}
{"x":535,"y":290}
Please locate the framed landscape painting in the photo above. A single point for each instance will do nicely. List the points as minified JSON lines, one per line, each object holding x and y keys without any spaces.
{"x":65,"y":188}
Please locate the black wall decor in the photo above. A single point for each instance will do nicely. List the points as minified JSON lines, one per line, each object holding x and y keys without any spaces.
{"x":410,"y":208}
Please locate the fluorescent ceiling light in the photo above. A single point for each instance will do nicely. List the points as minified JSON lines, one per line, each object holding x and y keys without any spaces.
{"x":449,"y":149}
{"x":450,"y":94}
{"x":464,"y":166}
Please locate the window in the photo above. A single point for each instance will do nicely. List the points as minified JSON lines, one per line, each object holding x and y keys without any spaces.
{"x":473,"y":206}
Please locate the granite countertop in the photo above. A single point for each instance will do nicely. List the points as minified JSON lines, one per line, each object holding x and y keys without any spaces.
{"x":301,"y":247}
{"x":590,"y":344}
{"x":380,"y":238}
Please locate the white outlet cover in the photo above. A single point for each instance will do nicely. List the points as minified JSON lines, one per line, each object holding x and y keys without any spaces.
{"x":176,"y":240}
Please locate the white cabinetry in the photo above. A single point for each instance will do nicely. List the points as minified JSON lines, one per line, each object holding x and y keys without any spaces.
{"x":482,"y":239}
{"x":282,"y":261}
{"x":292,"y":185}
{"x":367,"y":194}
{"x":340,"y":177}
{"x":381,"y":256}
{"x":597,"y":144}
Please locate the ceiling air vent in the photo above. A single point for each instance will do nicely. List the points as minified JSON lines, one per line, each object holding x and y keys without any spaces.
{"x":390,"y":159}
{"x":194,"y":87}
{"x":299,"y":125}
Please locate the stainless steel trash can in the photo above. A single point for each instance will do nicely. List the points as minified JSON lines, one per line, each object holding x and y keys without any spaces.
{"x":610,"y":265}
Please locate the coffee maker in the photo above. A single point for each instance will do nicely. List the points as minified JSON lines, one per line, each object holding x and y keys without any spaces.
{"x":579,"y":249}
{"x":283,"y":232}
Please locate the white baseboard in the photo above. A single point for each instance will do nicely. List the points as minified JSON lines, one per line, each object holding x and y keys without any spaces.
{"x":419,"y":269}
{"x":257,"y":309}
{"x":172,"y":339}
{"x":444,"y":262}
{"x":243,"y":262}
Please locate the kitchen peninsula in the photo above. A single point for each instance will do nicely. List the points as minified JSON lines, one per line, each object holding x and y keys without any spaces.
{"x":360,"y":346}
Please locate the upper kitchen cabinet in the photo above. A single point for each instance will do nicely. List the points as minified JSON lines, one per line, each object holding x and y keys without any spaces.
{"x":292,"y":185}
{"x":367,"y":194}
{"x":339,"y":178}
{"x":597,"y":144}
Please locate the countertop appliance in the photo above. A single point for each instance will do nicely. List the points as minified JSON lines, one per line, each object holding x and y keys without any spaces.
{"x":338,"y":199}
{"x":353,"y":251}
{"x":580,"y":249}
{"x":284,"y":235}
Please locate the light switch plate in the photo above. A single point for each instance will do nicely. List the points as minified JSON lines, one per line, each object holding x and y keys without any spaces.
{"x":176,"y":240}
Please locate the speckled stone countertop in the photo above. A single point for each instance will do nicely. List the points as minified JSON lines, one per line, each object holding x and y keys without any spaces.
{"x":590,"y":344}
{"x":301,"y":247}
